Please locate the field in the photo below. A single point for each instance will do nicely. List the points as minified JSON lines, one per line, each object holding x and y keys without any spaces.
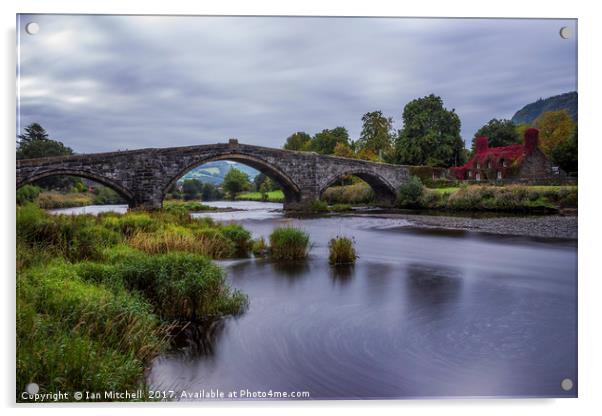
{"x":273,"y":196}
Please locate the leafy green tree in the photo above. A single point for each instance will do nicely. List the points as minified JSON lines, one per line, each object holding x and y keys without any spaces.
{"x":500,"y":133}
{"x":430,"y":135}
{"x":211,"y":192}
{"x":343,"y":150}
{"x":325,"y":141}
{"x":377,"y":133}
{"x":410,"y":192}
{"x":565,"y":154}
{"x":191,"y":189}
{"x":262,"y":179}
{"x":106,"y":196}
{"x":297,"y":141}
{"x":35,"y":143}
{"x":235,"y":182}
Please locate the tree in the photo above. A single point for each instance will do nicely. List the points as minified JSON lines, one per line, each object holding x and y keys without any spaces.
{"x":521,"y":129}
{"x":430,"y":135}
{"x":367,"y":154}
{"x":191,"y":189}
{"x":235,"y":182}
{"x":376,"y":134}
{"x":297,"y":141}
{"x":210,"y":192}
{"x":343,"y":150}
{"x":565,"y":154}
{"x":500,"y":133}
{"x":555,"y":127}
{"x":35,"y":143}
{"x":262,"y":179}
{"x":325,"y":141}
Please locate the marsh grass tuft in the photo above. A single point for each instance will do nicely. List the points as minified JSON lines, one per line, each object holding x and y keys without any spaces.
{"x":259,"y":248}
{"x":289,"y":243}
{"x":341,"y":251}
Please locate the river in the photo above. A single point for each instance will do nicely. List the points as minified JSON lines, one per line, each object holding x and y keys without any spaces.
{"x":424,"y":313}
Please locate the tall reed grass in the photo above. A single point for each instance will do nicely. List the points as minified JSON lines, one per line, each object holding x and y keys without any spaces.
{"x":289,"y":243}
{"x":341,"y":251}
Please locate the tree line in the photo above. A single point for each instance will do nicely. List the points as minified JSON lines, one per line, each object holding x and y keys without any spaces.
{"x":430,"y":136}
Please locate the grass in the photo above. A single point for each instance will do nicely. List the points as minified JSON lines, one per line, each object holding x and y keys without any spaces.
{"x":272,"y":196}
{"x":259,"y":248}
{"x":174,"y":205}
{"x":289,"y":243}
{"x":98,"y":296}
{"x":341,"y":251}
{"x":55,"y":200}
{"x":340,"y":207}
{"x":501,"y":198}
{"x":357,"y":193}
{"x":450,"y":190}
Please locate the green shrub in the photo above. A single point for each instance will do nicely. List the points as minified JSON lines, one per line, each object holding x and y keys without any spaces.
{"x":341,"y":251}
{"x":181,"y":286}
{"x":240,"y":237}
{"x":28,"y":193}
{"x":410,"y":192}
{"x":289,"y":243}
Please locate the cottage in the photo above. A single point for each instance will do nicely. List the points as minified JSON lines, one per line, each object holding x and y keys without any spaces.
{"x":515,"y":163}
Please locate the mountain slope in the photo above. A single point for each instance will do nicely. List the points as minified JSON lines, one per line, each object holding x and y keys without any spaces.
{"x":214,"y":172}
{"x":530,"y":112}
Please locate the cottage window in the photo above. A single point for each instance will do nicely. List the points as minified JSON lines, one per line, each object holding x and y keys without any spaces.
{"x":499,"y":174}
{"x":504,"y":163}
{"x":478,"y":176}
{"x":478,"y":165}
{"x":469,"y":173}
{"x":489,"y":164}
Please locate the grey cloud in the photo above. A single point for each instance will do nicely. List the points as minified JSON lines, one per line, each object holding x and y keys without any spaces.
{"x":101,"y":83}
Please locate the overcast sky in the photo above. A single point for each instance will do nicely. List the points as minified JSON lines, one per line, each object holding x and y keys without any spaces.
{"x":102,"y":83}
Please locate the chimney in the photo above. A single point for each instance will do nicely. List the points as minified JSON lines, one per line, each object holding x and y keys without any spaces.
{"x":482,"y":144}
{"x":232,"y":142}
{"x":531,"y":139}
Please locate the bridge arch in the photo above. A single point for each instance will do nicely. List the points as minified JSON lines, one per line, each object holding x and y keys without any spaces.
{"x":122,"y":191}
{"x":383,"y":190}
{"x":292,"y":192}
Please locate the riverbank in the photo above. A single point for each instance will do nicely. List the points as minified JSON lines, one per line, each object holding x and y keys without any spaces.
{"x":543,"y":226}
{"x":98,"y":296}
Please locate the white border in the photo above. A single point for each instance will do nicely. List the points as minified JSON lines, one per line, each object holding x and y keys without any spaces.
{"x":590,"y":290}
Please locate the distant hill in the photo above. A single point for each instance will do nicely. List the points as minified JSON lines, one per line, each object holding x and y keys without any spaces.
{"x":566,"y":101}
{"x":214,"y":172}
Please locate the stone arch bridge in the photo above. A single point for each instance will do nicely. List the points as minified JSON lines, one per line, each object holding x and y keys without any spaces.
{"x":144,"y":176}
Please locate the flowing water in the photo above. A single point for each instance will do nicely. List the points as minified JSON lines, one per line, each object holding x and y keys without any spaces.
{"x":423,"y":313}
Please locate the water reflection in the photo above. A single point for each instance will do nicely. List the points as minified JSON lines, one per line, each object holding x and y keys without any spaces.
{"x":342,"y":274}
{"x":432,"y":285}
{"x":198,"y":339}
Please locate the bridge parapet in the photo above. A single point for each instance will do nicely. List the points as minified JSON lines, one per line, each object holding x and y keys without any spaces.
{"x":144,"y":176}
